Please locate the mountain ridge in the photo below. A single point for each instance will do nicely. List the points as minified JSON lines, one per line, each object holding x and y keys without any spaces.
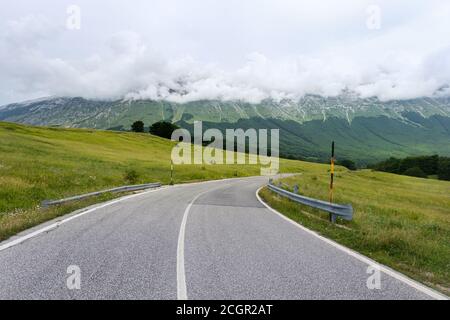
{"x":310,"y":107}
{"x":366,"y":129}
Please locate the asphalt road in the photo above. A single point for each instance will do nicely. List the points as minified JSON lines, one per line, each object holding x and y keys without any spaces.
{"x":211,"y":240}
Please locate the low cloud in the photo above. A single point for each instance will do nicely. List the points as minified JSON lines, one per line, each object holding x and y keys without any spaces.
{"x":125,"y":66}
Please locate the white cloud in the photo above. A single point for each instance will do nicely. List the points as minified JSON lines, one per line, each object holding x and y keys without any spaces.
{"x":234,"y":50}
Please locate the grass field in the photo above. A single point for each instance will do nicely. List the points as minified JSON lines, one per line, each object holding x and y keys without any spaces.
{"x":38,"y":163}
{"x":399,"y":221}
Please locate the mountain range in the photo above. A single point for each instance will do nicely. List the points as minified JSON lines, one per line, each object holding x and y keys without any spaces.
{"x":365,"y":130}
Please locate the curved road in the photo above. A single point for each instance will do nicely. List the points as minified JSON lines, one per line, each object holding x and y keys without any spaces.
{"x":212,"y":240}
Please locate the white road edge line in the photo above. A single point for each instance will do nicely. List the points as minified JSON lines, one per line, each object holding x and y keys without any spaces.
{"x":394,"y":274}
{"x":33,"y":234}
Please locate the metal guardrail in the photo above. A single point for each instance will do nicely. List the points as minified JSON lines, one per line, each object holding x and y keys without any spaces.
{"x":47,"y":203}
{"x":335,"y":210}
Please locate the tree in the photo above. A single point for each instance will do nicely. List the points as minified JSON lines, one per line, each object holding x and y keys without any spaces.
{"x":137,"y":126}
{"x":422,"y":166}
{"x":163,"y":129}
{"x":349,"y":164}
{"x":428,"y":164}
{"x":390,"y":165}
{"x":415,"y":172}
{"x":444,"y":169}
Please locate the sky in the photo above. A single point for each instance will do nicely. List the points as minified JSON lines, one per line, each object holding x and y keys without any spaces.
{"x":249,"y":50}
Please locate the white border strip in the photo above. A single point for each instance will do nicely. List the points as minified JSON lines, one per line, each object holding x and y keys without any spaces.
{"x":394,"y":274}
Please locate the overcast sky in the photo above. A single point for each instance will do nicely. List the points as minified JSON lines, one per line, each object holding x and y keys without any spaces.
{"x":208,"y":49}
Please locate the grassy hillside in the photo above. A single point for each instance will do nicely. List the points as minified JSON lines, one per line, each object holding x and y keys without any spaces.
{"x":366,"y":130}
{"x":38,"y":163}
{"x":400,"y":221}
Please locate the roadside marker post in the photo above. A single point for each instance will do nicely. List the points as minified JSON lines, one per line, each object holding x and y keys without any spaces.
{"x":171,"y":172}
{"x":332,"y":216}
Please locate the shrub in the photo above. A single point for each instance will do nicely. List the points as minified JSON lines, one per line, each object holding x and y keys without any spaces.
{"x":349,"y":164}
{"x":131,"y":176}
{"x":415,"y":172}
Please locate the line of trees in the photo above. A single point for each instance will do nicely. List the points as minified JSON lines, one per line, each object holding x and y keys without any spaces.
{"x":162,"y":129}
{"x":422,"y":167}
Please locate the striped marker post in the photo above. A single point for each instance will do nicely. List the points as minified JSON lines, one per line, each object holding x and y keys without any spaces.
{"x":171,"y":172}
{"x":332,"y":216}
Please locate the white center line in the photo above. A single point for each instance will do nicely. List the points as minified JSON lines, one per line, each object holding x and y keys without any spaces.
{"x":181,"y":275}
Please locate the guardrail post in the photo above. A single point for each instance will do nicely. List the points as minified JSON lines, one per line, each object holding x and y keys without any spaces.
{"x":296,"y":189}
{"x":45,"y":204}
{"x":332,"y":218}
